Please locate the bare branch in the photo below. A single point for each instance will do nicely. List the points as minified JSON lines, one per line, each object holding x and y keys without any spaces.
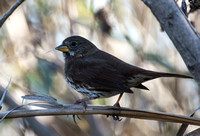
{"x":4,"y":94}
{"x":183,"y":127}
{"x":5,"y":115}
{"x":180,"y":31}
{"x":104,"y":110}
{"x":36,"y":126}
{"x":10,"y":11}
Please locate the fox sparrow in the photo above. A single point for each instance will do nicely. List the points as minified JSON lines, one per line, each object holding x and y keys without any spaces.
{"x":97,"y":74}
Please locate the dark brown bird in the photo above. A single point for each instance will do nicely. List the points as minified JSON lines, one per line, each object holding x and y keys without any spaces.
{"x":97,"y":74}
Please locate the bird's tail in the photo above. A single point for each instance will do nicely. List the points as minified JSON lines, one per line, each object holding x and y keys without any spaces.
{"x":137,"y":80}
{"x":162,"y":74}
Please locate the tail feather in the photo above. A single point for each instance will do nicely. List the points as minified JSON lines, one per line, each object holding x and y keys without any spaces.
{"x":162,"y":74}
{"x":140,"y":86}
{"x":137,"y":79}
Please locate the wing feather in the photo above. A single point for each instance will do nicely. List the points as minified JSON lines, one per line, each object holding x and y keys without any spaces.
{"x":99,"y":76}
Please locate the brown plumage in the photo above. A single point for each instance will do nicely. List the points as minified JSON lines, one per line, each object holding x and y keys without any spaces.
{"x":97,"y":74}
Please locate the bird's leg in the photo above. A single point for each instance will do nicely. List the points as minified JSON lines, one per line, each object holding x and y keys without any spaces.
{"x":115,"y":117}
{"x":84,"y":104}
{"x":117,"y":102}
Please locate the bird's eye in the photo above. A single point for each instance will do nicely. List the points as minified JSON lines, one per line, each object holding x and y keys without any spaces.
{"x":74,"y":44}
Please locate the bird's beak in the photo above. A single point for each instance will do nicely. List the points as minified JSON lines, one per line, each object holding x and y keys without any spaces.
{"x":62,"y":48}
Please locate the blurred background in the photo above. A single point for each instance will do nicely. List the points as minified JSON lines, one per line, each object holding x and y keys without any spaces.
{"x":124,"y":28}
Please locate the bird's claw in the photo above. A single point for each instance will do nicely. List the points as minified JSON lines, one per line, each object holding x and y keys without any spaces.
{"x":74,"y":118}
{"x":116,"y":117}
{"x":84,"y":104}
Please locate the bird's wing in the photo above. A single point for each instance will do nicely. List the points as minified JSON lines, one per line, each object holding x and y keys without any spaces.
{"x":100,"y":76}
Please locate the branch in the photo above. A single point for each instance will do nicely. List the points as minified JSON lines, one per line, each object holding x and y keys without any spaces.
{"x":104,"y":110}
{"x":10,"y":11}
{"x":36,"y":126}
{"x":180,"y":31}
{"x":4,"y":94}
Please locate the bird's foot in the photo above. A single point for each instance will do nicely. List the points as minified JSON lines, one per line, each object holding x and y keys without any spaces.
{"x":74,"y":118}
{"x":81,"y":102}
{"x":117,"y":105}
{"x":116,"y":117}
{"x":84,"y":104}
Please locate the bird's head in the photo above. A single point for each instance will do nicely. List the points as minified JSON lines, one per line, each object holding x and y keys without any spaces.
{"x":76,"y":46}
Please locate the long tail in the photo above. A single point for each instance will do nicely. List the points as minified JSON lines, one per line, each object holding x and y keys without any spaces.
{"x":137,"y":79}
{"x":162,"y":74}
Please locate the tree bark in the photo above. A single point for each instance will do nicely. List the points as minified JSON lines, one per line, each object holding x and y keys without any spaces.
{"x":184,"y":37}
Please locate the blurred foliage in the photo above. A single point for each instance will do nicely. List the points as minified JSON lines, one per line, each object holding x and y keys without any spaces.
{"x":41,"y":78}
{"x":125,"y":28}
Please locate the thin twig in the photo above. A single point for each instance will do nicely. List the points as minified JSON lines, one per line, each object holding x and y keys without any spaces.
{"x":10,"y":112}
{"x":38,"y":128}
{"x":10,"y":11}
{"x":183,"y":127}
{"x":104,"y":110}
{"x":4,"y":94}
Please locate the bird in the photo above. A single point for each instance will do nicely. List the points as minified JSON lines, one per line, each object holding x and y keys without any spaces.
{"x":98,"y":74}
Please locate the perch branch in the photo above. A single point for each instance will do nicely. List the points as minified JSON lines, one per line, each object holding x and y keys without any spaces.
{"x":104,"y":110}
